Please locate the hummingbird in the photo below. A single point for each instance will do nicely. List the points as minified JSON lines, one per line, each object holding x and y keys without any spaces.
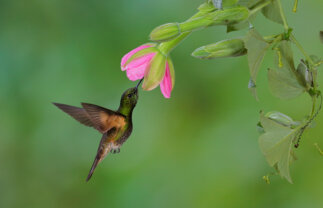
{"x":115,"y":126}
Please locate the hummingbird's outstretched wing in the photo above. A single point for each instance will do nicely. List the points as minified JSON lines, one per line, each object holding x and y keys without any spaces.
{"x":77,"y":113}
{"x":104,"y":119}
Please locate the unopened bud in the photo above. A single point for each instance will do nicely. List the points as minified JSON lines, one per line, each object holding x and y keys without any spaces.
{"x":225,"y":48}
{"x":165,"y":32}
{"x":232,"y":15}
{"x":218,"y":17}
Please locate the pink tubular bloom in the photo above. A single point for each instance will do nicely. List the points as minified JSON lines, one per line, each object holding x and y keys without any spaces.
{"x":131,"y":53}
{"x":147,"y":62}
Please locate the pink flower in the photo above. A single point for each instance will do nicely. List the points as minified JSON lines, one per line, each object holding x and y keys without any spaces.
{"x":148,"y":62}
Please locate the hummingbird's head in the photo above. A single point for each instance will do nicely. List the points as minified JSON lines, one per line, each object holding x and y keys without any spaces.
{"x":129,"y":97}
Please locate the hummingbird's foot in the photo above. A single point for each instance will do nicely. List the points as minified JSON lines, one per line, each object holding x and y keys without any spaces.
{"x":115,"y":149}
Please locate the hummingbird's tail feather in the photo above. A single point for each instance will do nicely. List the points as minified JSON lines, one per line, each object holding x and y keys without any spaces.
{"x":95,"y":163}
{"x":102,"y":152}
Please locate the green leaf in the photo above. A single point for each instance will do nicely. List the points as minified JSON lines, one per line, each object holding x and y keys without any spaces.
{"x":317,"y":61}
{"x":284,"y":56}
{"x":257,"y":48}
{"x":276,"y":145}
{"x":252,"y":89}
{"x":285,"y":83}
{"x":272,"y":12}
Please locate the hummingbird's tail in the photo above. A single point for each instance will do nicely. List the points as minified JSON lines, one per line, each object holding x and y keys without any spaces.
{"x":102,"y":152}
{"x":95,"y":163}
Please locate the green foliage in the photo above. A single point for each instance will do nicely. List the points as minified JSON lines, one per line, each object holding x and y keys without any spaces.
{"x":276,"y":142}
{"x":285,"y":83}
{"x":272,"y":12}
{"x":257,"y":48}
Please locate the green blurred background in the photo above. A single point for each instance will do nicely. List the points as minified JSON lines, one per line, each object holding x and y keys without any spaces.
{"x":197,"y":149}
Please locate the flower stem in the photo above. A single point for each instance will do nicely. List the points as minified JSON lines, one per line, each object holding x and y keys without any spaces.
{"x":259,"y":6}
{"x":168,"y":46}
{"x":282,"y":14}
{"x":301,"y":49}
{"x":295,"y":6}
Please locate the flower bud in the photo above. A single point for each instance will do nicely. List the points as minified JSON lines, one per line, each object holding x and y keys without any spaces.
{"x":218,"y":17}
{"x":165,"y":32}
{"x":221,"y":49}
{"x":232,"y":15}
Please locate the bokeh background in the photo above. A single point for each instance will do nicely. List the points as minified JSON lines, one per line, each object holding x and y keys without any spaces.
{"x":197,"y":149}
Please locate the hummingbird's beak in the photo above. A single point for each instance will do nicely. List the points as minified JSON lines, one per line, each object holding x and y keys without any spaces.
{"x":139,"y":84}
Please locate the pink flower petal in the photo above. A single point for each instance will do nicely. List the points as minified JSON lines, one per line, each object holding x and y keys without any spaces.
{"x":128,"y":55}
{"x":166,"y":84}
{"x":136,"y":68}
{"x":139,"y":61}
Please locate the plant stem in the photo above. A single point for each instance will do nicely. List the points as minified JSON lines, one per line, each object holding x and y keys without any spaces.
{"x":168,"y":46}
{"x":301,"y":49}
{"x":295,"y":6}
{"x":259,"y":7}
{"x":282,"y":14}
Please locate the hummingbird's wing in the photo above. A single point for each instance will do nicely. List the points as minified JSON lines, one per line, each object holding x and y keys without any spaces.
{"x":104,"y":119}
{"x":77,"y":113}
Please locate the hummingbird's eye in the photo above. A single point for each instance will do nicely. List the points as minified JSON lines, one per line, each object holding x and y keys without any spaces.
{"x":129,"y":95}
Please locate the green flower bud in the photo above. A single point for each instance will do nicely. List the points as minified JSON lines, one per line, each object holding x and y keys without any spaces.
{"x":281,"y":118}
{"x":165,"y":32}
{"x":225,"y":48}
{"x":232,"y":15}
{"x":218,"y":17}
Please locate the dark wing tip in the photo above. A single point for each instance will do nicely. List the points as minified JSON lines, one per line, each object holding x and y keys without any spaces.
{"x":59,"y":105}
{"x":87,"y":104}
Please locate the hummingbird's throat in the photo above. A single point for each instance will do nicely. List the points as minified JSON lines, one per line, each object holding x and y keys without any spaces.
{"x":126,"y":109}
